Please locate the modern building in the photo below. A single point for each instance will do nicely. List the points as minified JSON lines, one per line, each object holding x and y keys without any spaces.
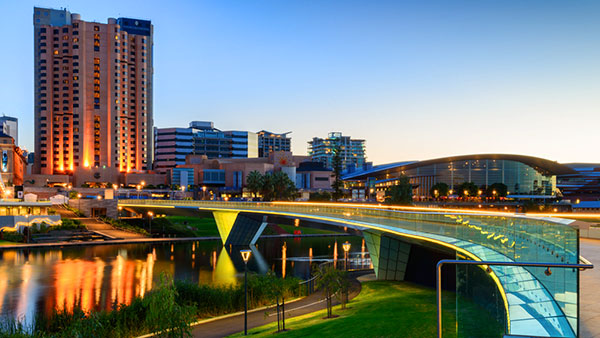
{"x":10,"y":126}
{"x":228,"y":175}
{"x":269,"y":142}
{"x":93,"y":93}
{"x":172,"y":145}
{"x":353,"y":150}
{"x":583,"y":184}
{"x":313,"y":176}
{"x":524,"y":176}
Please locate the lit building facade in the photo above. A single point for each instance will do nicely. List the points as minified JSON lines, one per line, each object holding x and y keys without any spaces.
{"x":269,"y":142}
{"x":12,"y":162}
{"x":93,"y":93}
{"x":524,"y":176}
{"x":172,"y":145}
{"x":353,"y":150}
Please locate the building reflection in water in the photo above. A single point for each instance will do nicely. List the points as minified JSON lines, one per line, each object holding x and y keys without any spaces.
{"x":99,"y":277}
{"x":283,"y":259}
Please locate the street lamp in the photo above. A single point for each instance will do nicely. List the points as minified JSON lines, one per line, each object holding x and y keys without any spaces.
{"x":203,"y":192}
{"x":79,"y":202}
{"x":150,"y":214}
{"x":119,"y":212}
{"x":246,"y":256}
{"x":346,"y":247}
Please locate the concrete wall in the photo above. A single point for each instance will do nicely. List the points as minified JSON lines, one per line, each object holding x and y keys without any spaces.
{"x":85,"y":205}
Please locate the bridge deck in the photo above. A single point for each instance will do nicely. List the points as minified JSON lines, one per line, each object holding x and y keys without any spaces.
{"x":536,"y":304}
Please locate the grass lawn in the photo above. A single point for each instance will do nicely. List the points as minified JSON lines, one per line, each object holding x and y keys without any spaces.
{"x":201,"y":227}
{"x":3,"y":242}
{"x":387,"y":309}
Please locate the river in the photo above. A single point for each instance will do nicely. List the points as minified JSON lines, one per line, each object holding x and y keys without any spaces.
{"x":97,"y":277}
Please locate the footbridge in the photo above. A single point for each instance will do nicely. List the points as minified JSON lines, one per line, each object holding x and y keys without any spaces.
{"x":405,"y":243}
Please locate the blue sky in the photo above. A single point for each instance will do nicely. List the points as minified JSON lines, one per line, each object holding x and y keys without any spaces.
{"x":417,"y":80}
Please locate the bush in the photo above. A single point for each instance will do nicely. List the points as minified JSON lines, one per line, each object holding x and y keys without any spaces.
{"x":324,"y":196}
{"x":12,"y":236}
{"x":124,"y":226}
{"x":166,"y":310}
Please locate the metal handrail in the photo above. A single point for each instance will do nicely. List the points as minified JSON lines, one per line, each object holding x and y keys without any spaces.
{"x":438,"y":276}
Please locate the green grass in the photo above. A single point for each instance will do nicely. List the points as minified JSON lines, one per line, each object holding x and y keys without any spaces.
{"x":305,"y":230}
{"x":386,"y":309}
{"x":200,"y":227}
{"x":3,"y":242}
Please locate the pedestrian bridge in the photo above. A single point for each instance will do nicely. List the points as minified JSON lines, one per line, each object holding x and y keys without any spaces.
{"x":400,"y":240}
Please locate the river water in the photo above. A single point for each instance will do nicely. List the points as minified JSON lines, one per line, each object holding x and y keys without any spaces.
{"x":96,"y":277}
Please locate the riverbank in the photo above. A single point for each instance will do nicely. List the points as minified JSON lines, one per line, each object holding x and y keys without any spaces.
{"x":144,"y":241}
{"x":385,"y":308}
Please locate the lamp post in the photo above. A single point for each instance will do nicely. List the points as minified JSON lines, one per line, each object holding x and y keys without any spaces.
{"x":79,"y":202}
{"x":119,"y":212}
{"x":203,"y":192}
{"x":346,"y":247}
{"x":150,"y":214}
{"x":246,"y":256}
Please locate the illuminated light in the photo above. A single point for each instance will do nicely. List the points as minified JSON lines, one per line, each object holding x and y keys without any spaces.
{"x":555,"y":209}
{"x":246,"y":254}
{"x":346,"y":246}
{"x":479,"y":192}
{"x":86,"y":164}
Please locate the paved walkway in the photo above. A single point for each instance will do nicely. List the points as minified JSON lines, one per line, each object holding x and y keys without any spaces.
{"x":589,"y":309}
{"x":234,"y":324}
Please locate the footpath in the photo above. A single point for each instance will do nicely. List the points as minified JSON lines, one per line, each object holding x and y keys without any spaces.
{"x":589,"y":284}
{"x":230,"y":324}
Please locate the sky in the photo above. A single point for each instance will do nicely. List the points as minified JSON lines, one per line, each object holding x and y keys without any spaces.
{"x":416,"y":80}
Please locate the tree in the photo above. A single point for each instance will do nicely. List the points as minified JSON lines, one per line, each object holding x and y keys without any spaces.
{"x":400,"y":193}
{"x":500,"y":190}
{"x":329,"y":279}
{"x":254,"y":182}
{"x":467,"y":189}
{"x":277,"y":289}
{"x":336,"y":163}
{"x":439,"y":189}
{"x":283,"y":187}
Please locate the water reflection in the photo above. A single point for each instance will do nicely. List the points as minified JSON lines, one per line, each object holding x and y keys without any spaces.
{"x":100,"y":277}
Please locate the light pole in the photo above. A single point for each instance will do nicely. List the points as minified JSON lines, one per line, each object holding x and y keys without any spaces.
{"x":78,"y":203}
{"x":119,"y":212}
{"x":150,"y":214}
{"x":346,"y":247}
{"x":246,"y":256}
{"x":203,"y":192}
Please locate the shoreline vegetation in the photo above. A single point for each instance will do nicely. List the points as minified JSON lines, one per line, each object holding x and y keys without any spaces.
{"x":167,"y":310}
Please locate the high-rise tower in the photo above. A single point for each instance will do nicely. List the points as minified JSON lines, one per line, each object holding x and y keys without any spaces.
{"x":93,"y":93}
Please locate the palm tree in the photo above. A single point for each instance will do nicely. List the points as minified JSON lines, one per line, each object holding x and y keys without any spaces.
{"x":255,"y":182}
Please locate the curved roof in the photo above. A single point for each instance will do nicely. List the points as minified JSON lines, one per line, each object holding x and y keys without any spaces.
{"x":540,"y":164}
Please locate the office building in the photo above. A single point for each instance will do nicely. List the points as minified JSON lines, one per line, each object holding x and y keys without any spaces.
{"x":93,"y":94}
{"x":201,"y":138}
{"x":269,"y":142}
{"x":352,"y":150}
{"x":10,"y":127}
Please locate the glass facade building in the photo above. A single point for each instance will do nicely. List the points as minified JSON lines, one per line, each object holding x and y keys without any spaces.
{"x":522,"y":175}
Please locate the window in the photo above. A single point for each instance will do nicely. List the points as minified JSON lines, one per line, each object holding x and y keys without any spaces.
{"x":96,"y":28}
